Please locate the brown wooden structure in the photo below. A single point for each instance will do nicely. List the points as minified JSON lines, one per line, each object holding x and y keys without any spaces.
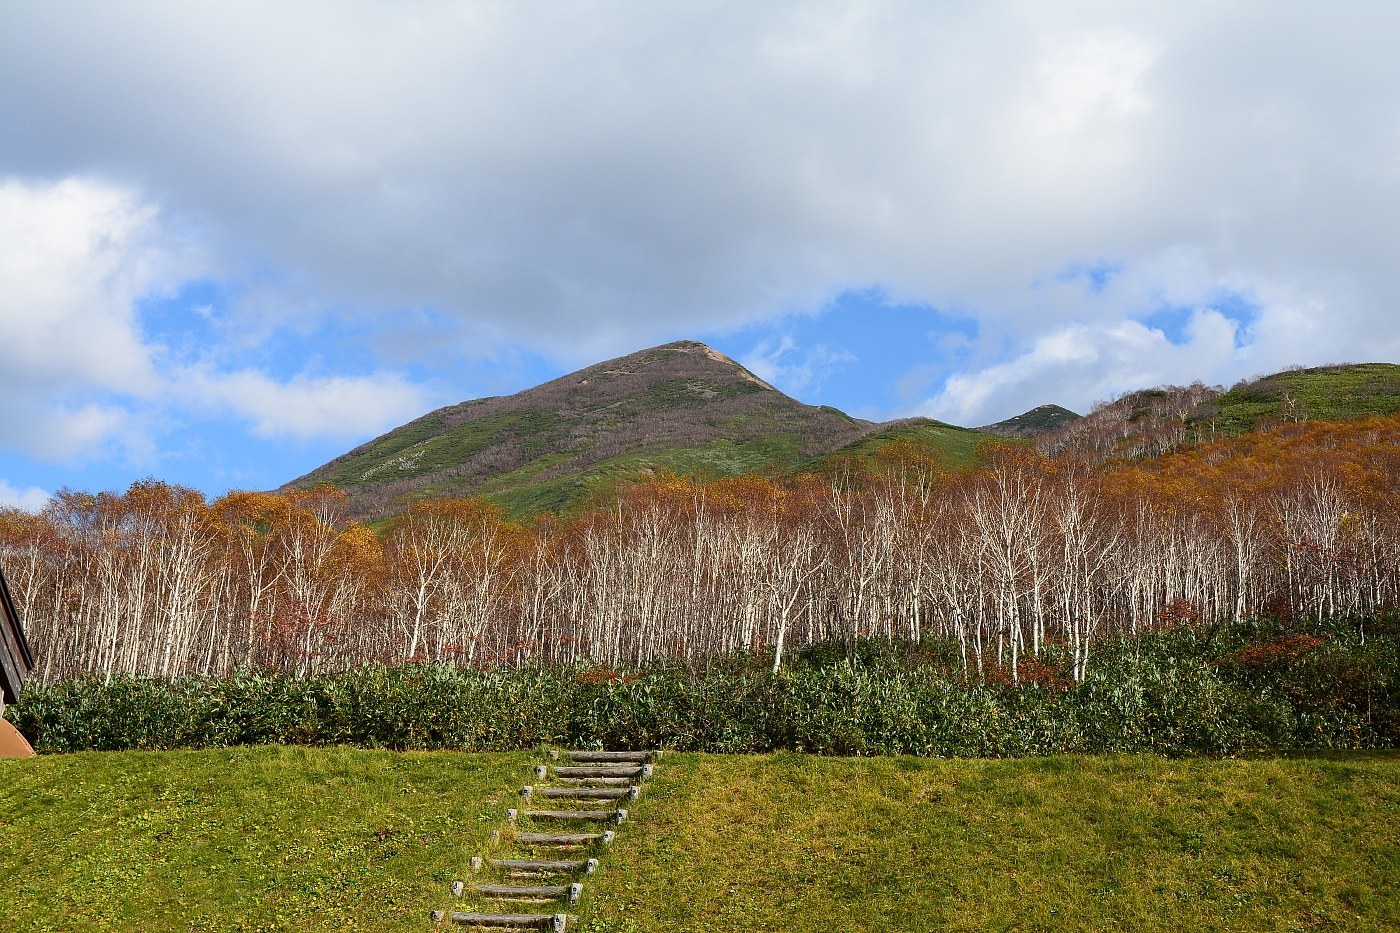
{"x":16,"y":661}
{"x":15,"y":664}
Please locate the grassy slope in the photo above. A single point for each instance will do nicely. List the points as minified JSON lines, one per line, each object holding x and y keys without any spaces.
{"x":241,"y":839}
{"x":1327,"y":393}
{"x":810,"y":844}
{"x":295,"y":839}
{"x":776,"y":453}
{"x":957,"y":447}
{"x":522,"y":498}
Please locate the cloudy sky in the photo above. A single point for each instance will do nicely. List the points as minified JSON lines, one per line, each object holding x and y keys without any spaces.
{"x":238,"y":238}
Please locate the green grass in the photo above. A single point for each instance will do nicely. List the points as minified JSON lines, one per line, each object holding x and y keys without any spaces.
{"x":245,"y":839}
{"x":425,"y":447}
{"x":599,"y":482}
{"x":1327,"y":393}
{"x":794,"y":843}
{"x":955,"y":446}
{"x":275,"y":838}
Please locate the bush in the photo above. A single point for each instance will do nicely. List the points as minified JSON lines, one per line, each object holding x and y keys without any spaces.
{"x":1187,"y":691}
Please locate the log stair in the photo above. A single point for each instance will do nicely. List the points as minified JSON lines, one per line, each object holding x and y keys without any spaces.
{"x":597,"y":782}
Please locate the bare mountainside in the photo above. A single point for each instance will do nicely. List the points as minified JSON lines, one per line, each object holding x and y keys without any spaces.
{"x":682,"y":406}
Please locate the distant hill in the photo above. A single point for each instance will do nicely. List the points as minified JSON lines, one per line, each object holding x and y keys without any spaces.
{"x":682,"y":407}
{"x":1151,"y":422}
{"x":1323,"y":393}
{"x":1040,"y":420}
{"x":955,"y":446}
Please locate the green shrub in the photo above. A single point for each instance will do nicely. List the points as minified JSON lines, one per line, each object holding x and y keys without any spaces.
{"x":1264,"y":685}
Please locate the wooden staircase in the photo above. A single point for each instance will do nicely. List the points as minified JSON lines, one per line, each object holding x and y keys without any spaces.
{"x":597,"y":781}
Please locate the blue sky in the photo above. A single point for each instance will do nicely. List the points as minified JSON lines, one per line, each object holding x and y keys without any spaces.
{"x":238,"y":239}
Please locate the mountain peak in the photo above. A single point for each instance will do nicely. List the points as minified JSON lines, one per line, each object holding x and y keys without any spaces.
{"x":689,"y":355}
{"x":1042,"y":419}
{"x":681,"y":406}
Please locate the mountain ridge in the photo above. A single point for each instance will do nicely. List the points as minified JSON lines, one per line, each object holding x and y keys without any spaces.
{"x":686,"y":408}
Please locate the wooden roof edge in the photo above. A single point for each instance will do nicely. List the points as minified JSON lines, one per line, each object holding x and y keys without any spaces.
{"x":13,"y":643}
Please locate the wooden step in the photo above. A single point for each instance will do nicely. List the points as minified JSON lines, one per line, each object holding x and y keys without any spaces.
{"x":631,"y":792}
{"x":553,"y":922}
{"x":530,"y":892}
{"x":592,"y":782}
{"x":582,"y":756}
{"x":566,"y":840}
{"x":633,"y":772}
{"x":618,"y":816}
{"x":527,"y":866}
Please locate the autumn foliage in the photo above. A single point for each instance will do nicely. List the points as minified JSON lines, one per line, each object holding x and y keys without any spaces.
{"x":1024,"y":557}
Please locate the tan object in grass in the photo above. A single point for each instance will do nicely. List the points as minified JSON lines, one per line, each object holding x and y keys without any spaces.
{"x":12,"y":743}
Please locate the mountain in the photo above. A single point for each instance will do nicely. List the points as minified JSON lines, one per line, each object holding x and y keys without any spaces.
{"x":687,"y":408}
{"x":954,"y":446}
{"x":682,"y":407}
{"x":1040,"y":420}
{"x":1150,"y":422}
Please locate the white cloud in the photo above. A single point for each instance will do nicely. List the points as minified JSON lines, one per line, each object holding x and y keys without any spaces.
{"x":1079,"y":365}
{"x":74,"y":258}
{"x":82,"y":379}
{"x":306,"y":408}
{"x":30,"y":499}
{"x":585,"y":179}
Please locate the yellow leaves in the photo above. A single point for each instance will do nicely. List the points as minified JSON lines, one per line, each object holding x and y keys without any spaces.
{"x":467,"y":512}
{"x":664,"y":491}
{"x":358,"y":548}
{"x":257,"y":511}
{"x":156,"y":498}
{"x":906,"y":456}
{"x":751,"y":491}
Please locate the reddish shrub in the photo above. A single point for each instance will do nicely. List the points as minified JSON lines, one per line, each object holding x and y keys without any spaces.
{"x":1030,"y":672}
{"x":1276,"y":651}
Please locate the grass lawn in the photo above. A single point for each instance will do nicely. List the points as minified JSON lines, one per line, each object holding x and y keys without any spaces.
{"x":795,"y":843}
{"x":242,"y":839}
{"x":298,"y":839}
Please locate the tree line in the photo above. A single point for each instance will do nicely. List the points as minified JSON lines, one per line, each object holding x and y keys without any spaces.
{"x":1024,"y":557}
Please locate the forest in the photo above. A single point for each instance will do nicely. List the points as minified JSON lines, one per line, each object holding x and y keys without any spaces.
{"x":1022,"y":555}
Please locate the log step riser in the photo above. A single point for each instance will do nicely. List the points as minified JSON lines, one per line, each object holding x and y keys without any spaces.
{"x":618,"y":816}
{"x":600,"y":771}
{"x":631,"y":792}
{"x":564,"y":839}
{"x":541,"y":867}
{"x":553,"y":922}
{"x":595,"y":782}
{"x":536,"y":893}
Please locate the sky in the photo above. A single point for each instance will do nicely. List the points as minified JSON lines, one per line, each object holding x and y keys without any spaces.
{"x":239,"y":238}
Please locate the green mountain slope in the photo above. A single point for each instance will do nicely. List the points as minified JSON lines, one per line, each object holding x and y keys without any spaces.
{"x":682,"y":407}
{"x":1151,"y":422}
{"x":950,"y":444}
{"x":1323,"y":393}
